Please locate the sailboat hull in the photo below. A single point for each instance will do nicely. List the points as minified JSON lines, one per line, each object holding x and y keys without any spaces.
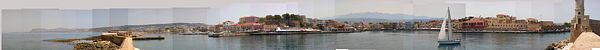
{"x":449,"y":42}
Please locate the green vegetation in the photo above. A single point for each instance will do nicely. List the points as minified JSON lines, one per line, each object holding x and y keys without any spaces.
{"x":286,"y":16}
{"x":292,"y":20}
{"x":567,"y":24}
{"x":466,"y":18}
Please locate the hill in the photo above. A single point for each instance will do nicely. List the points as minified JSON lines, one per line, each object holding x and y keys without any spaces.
{"x":380,"y":17}
{"x":150,"y":27}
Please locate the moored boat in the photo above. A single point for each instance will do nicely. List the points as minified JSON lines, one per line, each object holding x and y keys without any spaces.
{"x":149,"y":38}
{"x":215,"y":35}
{"x":196,"y":33}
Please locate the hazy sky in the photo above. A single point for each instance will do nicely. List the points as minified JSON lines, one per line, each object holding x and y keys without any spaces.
{"x":92,"y":13}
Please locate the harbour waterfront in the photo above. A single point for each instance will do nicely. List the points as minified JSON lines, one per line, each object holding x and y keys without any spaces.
{"x":379,"y":40}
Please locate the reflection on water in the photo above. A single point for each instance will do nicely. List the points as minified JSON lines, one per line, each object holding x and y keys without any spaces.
{"x":398,"y":40}
{"x":448,"y":47}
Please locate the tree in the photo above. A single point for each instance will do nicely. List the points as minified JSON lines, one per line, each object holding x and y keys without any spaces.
{"x":567,"y":24}
{"x":269,"y":17}
{"x":295,"y":17}
{"x":466,"y":18}
{"x":277,"y":17}
{"x":286,"y":16}
{"x":262,"y":20}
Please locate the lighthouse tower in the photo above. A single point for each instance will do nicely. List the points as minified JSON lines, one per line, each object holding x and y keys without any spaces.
{"x":580,"y":22}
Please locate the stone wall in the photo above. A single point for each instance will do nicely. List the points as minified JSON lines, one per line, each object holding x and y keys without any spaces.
{"x":586,"y":41}
{"x":113,"y":39}
{"x":595,"y":24}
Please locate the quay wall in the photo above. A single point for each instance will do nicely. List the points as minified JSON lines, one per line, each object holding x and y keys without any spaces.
{"x":595,"y":24}
{"x":114,"y":39}
{"x":584,"y":40}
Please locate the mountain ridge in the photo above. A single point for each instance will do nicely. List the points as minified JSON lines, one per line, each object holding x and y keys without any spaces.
{"x":148,"y":26}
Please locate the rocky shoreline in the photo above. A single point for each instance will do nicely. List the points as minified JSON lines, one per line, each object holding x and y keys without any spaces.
{"x":557,"y":45}
{"x":99,"y":45}
{"x":90,"y":43}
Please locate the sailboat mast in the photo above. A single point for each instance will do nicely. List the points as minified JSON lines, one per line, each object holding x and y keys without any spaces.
{"x":449,"y":24}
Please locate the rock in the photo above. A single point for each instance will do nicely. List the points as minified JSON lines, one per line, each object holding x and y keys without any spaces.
{"x":557,"y":45}
{"x":99,"y":45}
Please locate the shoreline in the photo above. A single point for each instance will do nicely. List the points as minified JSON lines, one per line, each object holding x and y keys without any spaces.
{"x":508,"y":31}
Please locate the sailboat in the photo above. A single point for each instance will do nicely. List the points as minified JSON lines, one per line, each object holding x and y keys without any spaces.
{"x":445,"y":37}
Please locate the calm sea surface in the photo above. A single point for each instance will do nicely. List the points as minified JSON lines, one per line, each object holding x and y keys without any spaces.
{"x":379,"y":40}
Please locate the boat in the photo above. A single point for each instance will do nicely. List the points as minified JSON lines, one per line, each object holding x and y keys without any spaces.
{"x":445,"y":38}
{"x":340,"y":30}
{"x":196,"y":33}
{"x":149,"y":38}
{"x":215,"y":34}
{"x":448,"y":47}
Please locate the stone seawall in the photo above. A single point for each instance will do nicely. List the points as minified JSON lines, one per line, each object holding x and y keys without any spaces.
{"x":103,"y":42}
{"x":595,"y":24}
{"x":586,"y":41}
{"x":114,"y":39}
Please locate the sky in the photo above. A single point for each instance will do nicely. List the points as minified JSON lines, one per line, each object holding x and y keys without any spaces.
{"x":24,"y":15}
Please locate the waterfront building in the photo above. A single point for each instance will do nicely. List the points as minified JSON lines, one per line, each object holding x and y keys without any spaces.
{"x":504,"y":22}
{"x":532,"y":19}
{"x":249,"y":23}
{"x":502,"y":18}
{"x":408,"y":25}
{"x":229,"y":26}
{"x":269,"y":27}
{"x":434,"y":24}
{"x":473,"y":25}
{"x":201,"y":29}
{"x":361,"y":25}
{"x":390,"y":26}
{"x":249,"y":19}
{"x":321,"y":24}
{"x":217,"y":28}
{"x":249,"y":26}
{"x":312,"y":22}
{"x":456,"y":24}
{"x":332,"y":24}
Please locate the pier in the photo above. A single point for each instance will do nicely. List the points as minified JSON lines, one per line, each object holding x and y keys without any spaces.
{"x":584,"y":31}
{"x":127,"y":44}
{"x":120,"y":40}
{"x":586,"y":39}
{"x":125,"y":40}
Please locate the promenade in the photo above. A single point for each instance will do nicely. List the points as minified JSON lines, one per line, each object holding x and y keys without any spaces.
{"x":127,"y":44}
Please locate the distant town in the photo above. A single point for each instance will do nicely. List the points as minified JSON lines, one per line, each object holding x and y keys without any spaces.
{"x":300,"y":25}
{"x":501,"y":23}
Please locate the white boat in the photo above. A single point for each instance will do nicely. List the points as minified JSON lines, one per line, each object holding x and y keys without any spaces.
{"x":196,"y":33}
{"x":444,"y":37}
{"x":279,"y":29}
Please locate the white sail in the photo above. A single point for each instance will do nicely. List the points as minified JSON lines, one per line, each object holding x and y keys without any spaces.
{"x":442,"y":35}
